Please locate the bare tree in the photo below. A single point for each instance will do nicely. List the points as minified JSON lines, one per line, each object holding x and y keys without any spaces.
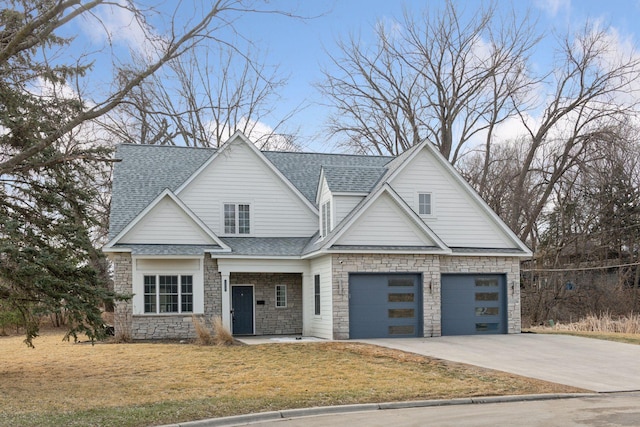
{"x":201,"y":99}
{"x":49,"y":154}
{"x":447,"y":77}
{"x":592,"y":94}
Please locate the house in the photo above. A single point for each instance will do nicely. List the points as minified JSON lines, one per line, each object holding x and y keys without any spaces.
{"x":325,"y":245}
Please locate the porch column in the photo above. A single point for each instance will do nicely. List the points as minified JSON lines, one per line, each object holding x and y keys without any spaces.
{"x":307,"y":304}
{"x":226,"y":300}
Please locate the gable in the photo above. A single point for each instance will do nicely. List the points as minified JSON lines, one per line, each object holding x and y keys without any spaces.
{"x":166,"y":223}
{"x":238,"y":174}
{"x":459,"y":218}
{"x":384,"y":223}
{"x":145,"y":171}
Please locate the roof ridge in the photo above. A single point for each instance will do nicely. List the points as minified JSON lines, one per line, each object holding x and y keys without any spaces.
{"x":331,"y":154}
{"x":131,"y":144}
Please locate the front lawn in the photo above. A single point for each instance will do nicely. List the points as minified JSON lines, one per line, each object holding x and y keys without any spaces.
{"x":140,"y":384}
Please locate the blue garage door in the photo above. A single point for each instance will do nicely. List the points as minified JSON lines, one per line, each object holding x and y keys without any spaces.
{"x":385,"y":305}
{"x":473,"y":304}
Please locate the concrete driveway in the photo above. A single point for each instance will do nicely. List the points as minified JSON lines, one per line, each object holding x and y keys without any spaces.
{"x":592,"y":364}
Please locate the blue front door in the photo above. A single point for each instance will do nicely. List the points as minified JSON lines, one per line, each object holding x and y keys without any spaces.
{"x":242,"y":305}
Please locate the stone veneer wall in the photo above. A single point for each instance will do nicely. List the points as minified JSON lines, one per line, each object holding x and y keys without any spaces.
{"x":502,"y":265}
{"x":431,"y":267}
{"x":428,"y":265}
{"x":122,"y":284}
{"x":165,"y":326}
{"x":271,"y":320}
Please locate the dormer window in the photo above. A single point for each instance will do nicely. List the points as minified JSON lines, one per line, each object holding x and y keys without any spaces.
{"x":425,"y":204}
{"x":237,"y":218}
{"x":326,"y":218}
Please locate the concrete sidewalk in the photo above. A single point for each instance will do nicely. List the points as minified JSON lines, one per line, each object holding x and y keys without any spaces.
{"x":591,"y":364}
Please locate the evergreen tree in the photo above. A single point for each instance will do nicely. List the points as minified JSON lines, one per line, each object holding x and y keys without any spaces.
{"x":50,"y":163}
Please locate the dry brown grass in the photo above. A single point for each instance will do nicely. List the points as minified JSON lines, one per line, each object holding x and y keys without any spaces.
{"x":203,"y":334}
{"x":61,"y":383}
{"x":604,"y":323}
{"x":221,"y":334}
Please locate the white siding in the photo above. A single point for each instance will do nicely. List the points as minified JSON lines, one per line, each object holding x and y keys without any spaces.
{"x":344,"y":205}
{"x":325,"y":193}
{"x":237,"y":175}
{"x":167,"y":223}
{"x":384,"y":223}
{"x":325,"y":196}
{"x":319,"y":326}
{"x":458,"y":219}
{"x":169,"y":267}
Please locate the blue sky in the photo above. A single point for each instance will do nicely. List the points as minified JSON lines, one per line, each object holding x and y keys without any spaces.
{"x":299,"y":47}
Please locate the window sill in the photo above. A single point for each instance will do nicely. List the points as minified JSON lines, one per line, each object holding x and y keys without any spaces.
{"x":167,"y":314}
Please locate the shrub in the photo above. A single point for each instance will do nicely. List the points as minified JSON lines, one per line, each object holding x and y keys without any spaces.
{"x":203,"y":334}
{"x":218,"y":334}
{"x":221,"y":334}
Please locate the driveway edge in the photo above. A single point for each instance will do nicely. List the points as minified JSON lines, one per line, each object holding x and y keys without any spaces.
{"x":239,"y":420}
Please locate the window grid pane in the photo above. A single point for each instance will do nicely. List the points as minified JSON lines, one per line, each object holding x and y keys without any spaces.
{"x":281,"y":296}
{"x":229,"y":219}
{"x":424,"y":203}
{"x":317,"y":294}
{"x":186,"y":293}
{"x":326,"y":218}
{"x":149,"y":294}
{"x":243,"y":219}
{"x":168,"y":292}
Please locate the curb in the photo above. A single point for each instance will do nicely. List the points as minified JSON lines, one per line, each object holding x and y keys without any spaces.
{"x":239,"y":420}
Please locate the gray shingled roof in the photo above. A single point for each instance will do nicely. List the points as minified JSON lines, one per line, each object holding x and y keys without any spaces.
{"x":385,"y":248}
{"x":459,"y":250}
{"x":169,"y":249}
{"x":352,"y":179}
{"x":143,"y":173}
{"x":146,"y":170}
{"x":303,"y":169}
{"x":266,"y":246}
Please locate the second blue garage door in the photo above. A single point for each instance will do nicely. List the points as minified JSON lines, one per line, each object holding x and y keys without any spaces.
{"x":473,"y":304}
{"x":385,"y":305}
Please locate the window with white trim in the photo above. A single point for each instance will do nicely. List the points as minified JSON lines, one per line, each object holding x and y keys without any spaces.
{"x":326,"y":218}
{"x":316,"y":291}
{"x":165,"y":293}
{"x":237,"y":218}
{"x":425,"y":204}
{"x":281,"y":296}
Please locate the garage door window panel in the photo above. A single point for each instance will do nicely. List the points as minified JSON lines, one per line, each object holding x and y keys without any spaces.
{"x":487,"y":296}
{"x":406,"y":297}
{"x":401,"y":281}
{"x":402,"y":313}
{"x":487,"y":311}
{"x":487,"y":327}
{"x":402,"y":330}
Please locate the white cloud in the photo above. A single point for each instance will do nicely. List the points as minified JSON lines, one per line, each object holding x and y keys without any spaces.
{"x":553,"y":7}
{"x":117,"y":25}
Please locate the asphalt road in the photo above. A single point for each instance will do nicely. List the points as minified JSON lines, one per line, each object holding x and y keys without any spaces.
{"x":617,"y":409}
